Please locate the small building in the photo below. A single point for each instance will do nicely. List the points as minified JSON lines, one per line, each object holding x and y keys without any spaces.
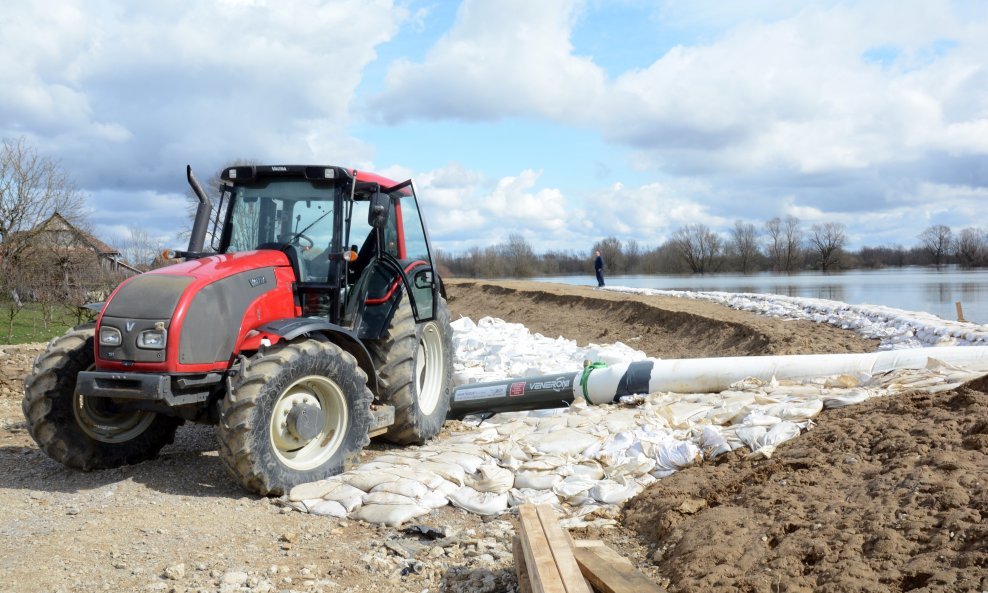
{"x":58,"y":236}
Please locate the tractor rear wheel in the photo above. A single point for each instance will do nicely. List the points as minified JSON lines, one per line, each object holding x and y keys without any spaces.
{"x":86,"y":432}
{"x":415,"y":373}
{"x":297,"y":413}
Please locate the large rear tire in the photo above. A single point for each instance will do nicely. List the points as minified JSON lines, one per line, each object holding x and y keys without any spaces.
{"x":86,"y":432}
{"x":415,"y":373}
{"x":297,"y":413}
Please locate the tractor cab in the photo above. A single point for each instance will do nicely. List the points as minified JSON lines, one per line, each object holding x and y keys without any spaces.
{"x":352,"y":239}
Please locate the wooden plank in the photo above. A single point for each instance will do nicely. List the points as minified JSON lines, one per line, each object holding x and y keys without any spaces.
{"x":562,"y":551}
{"x":610,"y":572}
{"x":542,"y":569}
{"x":521,"y":569}
{"x":588,"y":543}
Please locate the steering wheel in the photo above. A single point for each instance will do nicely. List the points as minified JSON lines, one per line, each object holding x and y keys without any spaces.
{"x":301,"y":240}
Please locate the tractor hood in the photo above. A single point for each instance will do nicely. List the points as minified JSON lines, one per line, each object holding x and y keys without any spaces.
{"x":193,"y":313}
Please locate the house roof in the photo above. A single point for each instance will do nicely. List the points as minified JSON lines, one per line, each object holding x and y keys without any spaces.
{"x":58,"y":222}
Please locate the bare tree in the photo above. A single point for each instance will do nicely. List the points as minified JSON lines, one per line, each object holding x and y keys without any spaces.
{"x":140,"y":249}
{"x":971,"y":247}
{"x":744,"y":242}
{"x":614,"y":259}
{"x":828,"y":241}
{"x":785,"y":242}
{"x":32,"y":189}
{"x":698,"y":246}
{"x":518,"y":256}
{"x":937,"y":241}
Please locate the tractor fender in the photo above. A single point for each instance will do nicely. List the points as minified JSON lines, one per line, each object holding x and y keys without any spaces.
{"x":291,"y":328}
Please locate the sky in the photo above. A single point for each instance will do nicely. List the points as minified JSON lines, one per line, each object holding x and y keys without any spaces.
{"x":564,"y":121}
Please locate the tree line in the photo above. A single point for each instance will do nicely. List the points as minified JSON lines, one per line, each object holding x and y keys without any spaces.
{"x":782,"y":245}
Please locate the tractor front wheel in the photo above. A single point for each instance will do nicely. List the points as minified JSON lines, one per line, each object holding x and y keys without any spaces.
{"x":85,"y":432}
{"x":297,"y":413}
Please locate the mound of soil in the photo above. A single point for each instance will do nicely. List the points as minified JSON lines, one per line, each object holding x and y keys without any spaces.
{"x":662,"y":327}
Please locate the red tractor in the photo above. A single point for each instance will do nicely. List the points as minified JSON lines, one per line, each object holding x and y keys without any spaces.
{"x":316,"y":321}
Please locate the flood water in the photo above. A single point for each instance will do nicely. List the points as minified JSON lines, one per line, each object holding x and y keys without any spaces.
{"x":912,"y":288}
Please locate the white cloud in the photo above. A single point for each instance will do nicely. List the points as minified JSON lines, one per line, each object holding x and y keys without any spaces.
{"x":152,"y":86}
{"x":500,"y":58}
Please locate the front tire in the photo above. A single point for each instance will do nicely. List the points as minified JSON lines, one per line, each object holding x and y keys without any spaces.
{"x":297,"y":413}
{"x":86,"y":432}
{"x":415,"y":373}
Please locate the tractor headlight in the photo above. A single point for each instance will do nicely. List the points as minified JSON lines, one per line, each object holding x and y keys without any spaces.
{"x":152,"y":339}
{"x":110,"y":336}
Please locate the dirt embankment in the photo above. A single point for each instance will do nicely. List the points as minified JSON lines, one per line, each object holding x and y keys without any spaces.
{"x":885,"y":496}
{"x":663,"y":327}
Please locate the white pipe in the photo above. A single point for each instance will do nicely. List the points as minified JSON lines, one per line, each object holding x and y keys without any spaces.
{"x":711,"y":375}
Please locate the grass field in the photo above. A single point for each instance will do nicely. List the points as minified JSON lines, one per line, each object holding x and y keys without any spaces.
{"x":29,"y":324}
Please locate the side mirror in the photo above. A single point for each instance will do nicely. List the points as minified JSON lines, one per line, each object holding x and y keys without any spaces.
{"x":423,"y":279}
{"x":380,"y":208}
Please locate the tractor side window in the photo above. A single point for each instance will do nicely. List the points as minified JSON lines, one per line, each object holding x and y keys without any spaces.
{"x":415,"y":254}
{"x":415,"y":243}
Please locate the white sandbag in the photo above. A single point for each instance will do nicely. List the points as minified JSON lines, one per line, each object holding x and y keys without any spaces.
{"x":403,"y":458}
{"x":675,"y":455}
{"x":614,"y":492}
{"x":491,"y":478}
{"x":574,"y":490}
{"x":452,"y":472}
{"x":482,"y":503}
{"x":712,"y":442}
{"x":845,"y":398}
{"x":751,"y":435}
{"x":431,"y":480}
{"x":388,"y":498}
{"x":797,"y":411}
{"x":313,"y":490}
{"x":586,"y":468}
{"x":468,"y":461}
{"x":346,"y":495}
{"x":775,"y":436}
{"x":366,"y":480}
{"x":325,"y":508}
{"x":536,"y":480}
{"x":633,"y":466}
{"x":404,"y":486}
{"x":507,"y":453}
{"x":388,"y":514}
{"x":518,"y":497}
{"x":543,"y":463}
{"x":679,"y":414}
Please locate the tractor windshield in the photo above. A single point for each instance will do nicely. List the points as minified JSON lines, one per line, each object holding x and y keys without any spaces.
{"x":294,"y":212}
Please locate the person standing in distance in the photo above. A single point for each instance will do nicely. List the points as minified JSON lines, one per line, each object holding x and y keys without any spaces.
{"x":598,"y":266}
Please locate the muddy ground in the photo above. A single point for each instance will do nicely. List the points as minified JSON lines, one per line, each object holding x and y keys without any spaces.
{"x":888,"y":495}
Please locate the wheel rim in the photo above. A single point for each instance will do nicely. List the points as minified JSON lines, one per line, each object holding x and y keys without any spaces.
{"x":102,"y":419}
{"x":429,"y":368}
{"x":313,"y":392}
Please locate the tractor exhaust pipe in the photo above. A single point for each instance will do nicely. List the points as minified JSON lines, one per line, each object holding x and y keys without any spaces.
{"x":197,"y":240}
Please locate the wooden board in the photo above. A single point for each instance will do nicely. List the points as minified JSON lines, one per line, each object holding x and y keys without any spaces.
{"x":562,"y":551}
{"x":610,"y":572}
{"x":542,"y":571}
{"x":521,"y":569}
